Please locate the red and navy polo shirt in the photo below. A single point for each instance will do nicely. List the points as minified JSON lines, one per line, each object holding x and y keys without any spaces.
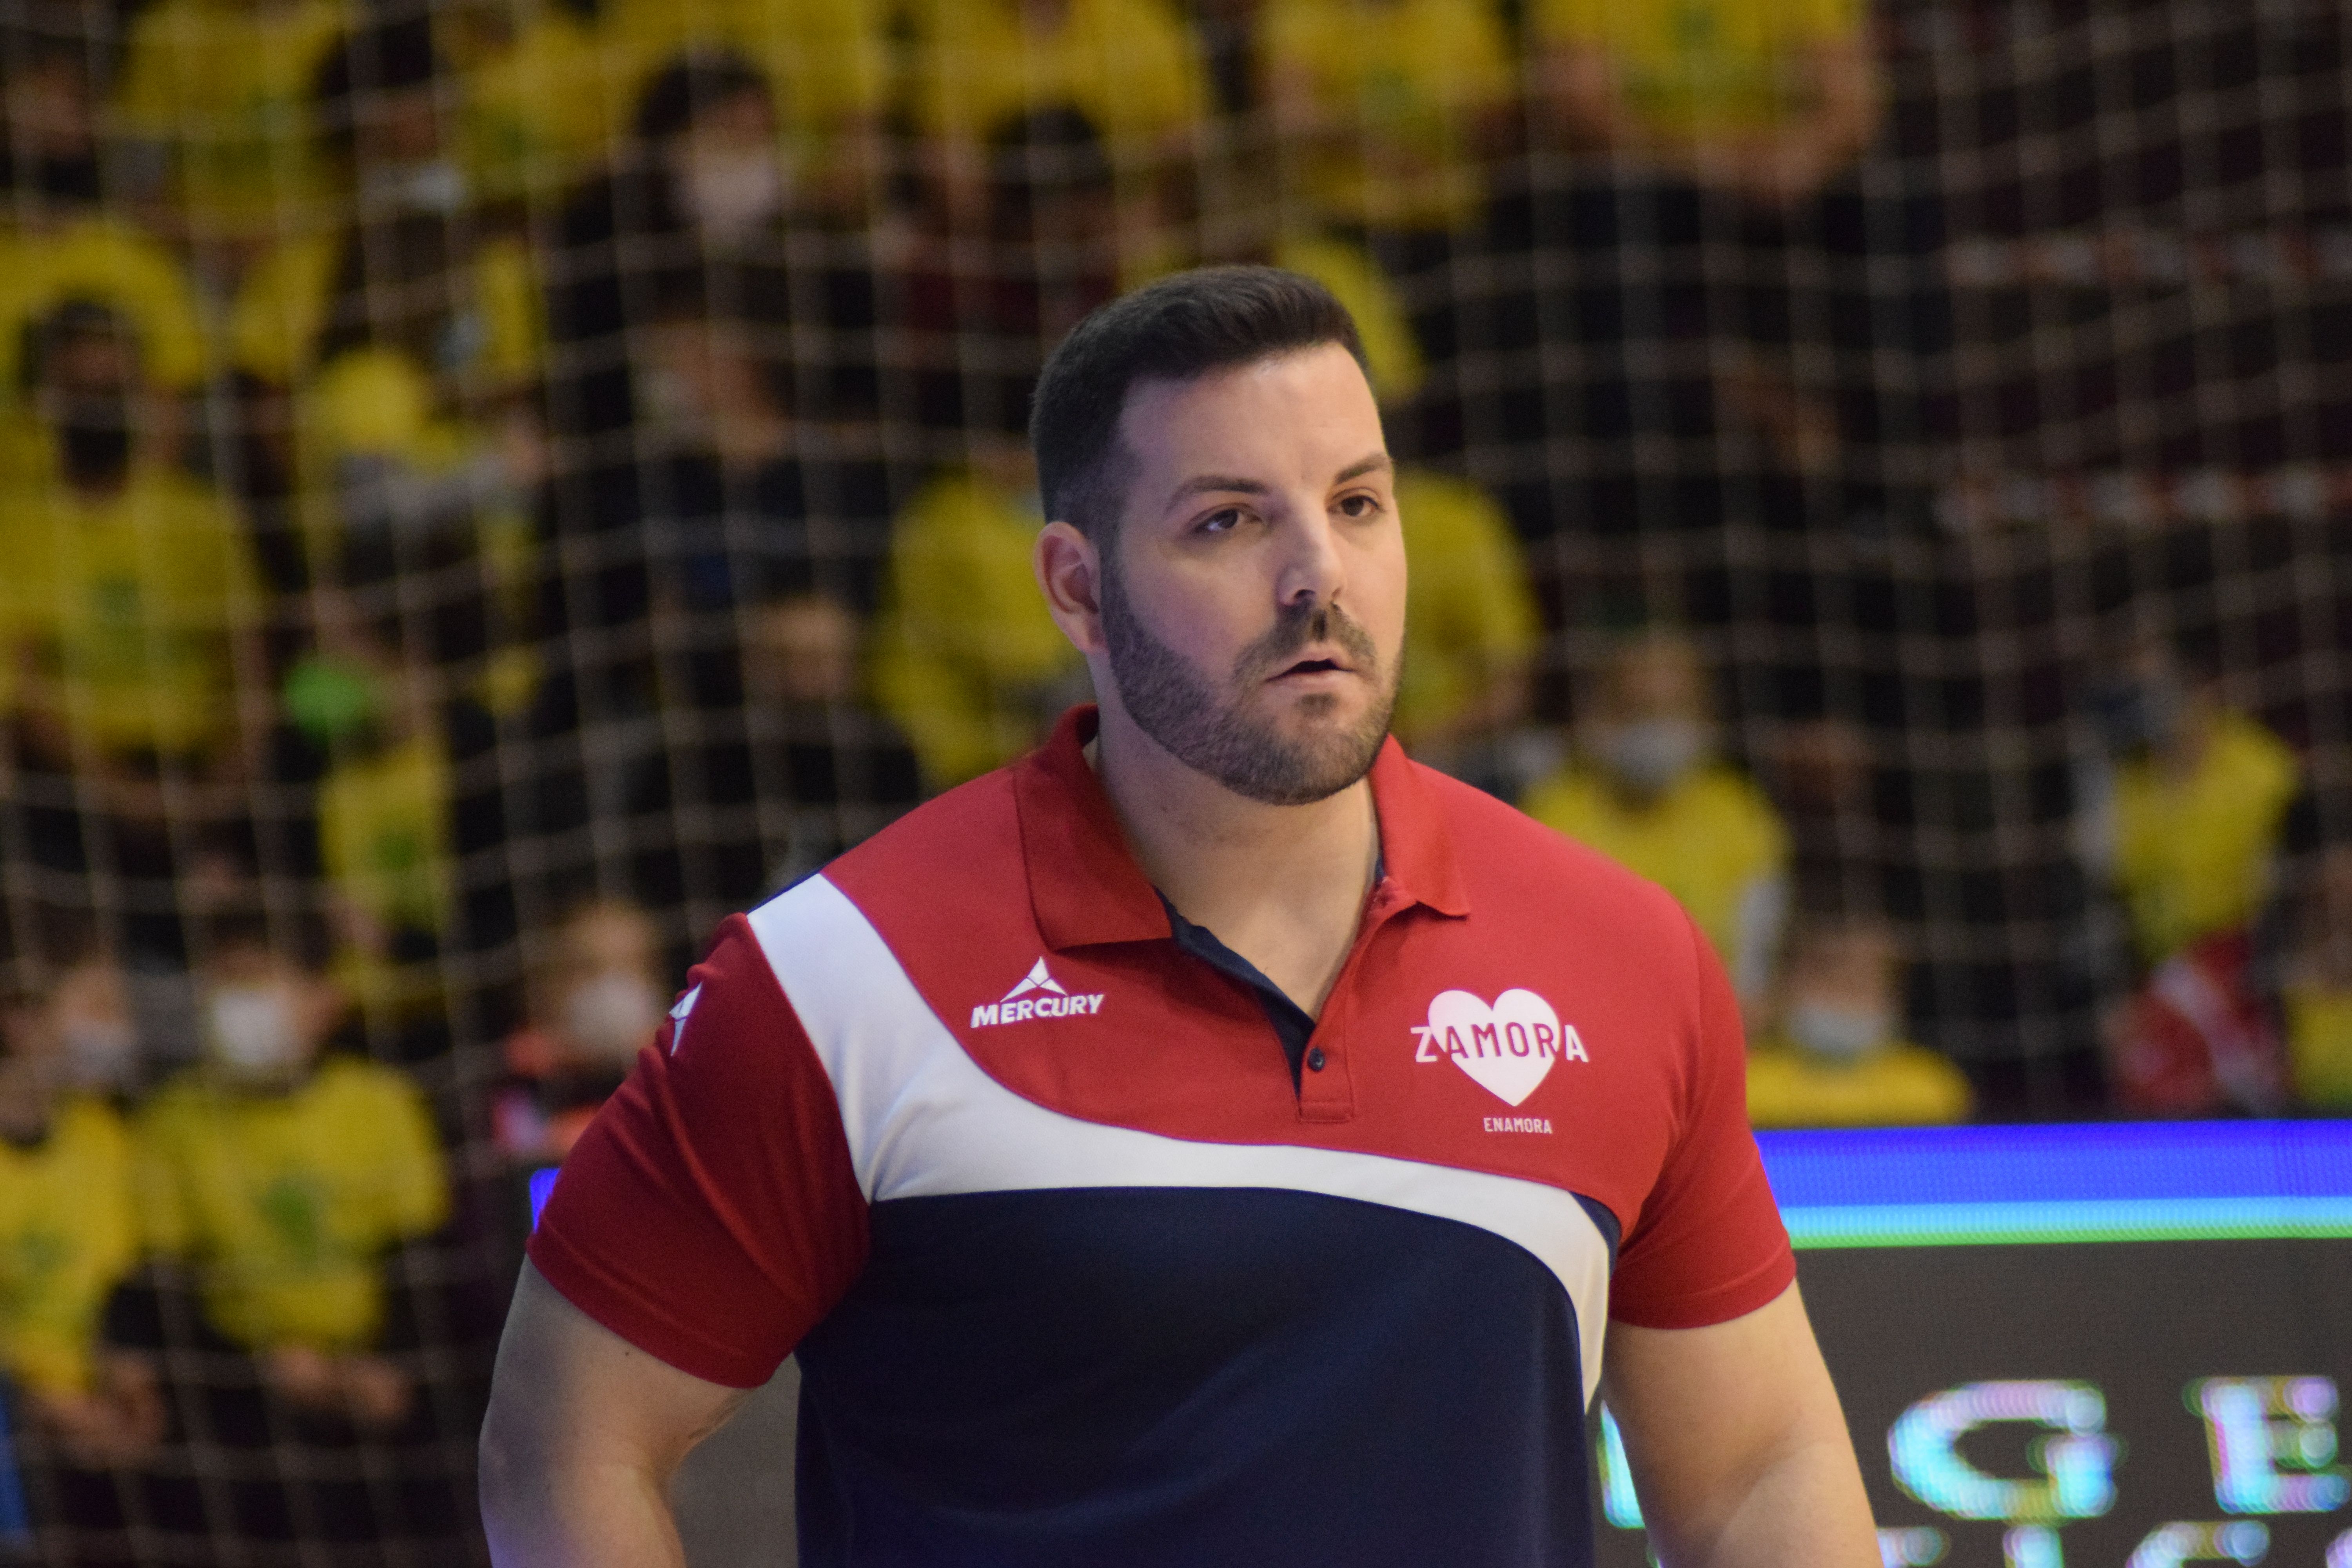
{"x":1083,"y":1267}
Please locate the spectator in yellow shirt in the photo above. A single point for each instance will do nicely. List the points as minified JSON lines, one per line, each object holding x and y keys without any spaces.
{"x":213,"y":97}
{"x":967,"y":660}
{"x":1386,"y":114}
{"x":57,"y":241}
{"x":1767,"y":99}
{"x":387,"y":850}
{"x":134,"y":609}
{"x":285,"y":1178}
{"x":2185,"y":825}
{"x":1131,"y":67}
{"x":404,"y":797}
{"x":418,"y":452}
{"x":68,"y":1235}
{"x":382,"y":110}
{"x":1646,"y":789}
{"x":2184,"y":821}
{"x":542,"y":96}
{"x":1836,"y":1056}
{"x":1470,"y":619}
{"x":1387,"y":110}
{"x":2318,"y":987}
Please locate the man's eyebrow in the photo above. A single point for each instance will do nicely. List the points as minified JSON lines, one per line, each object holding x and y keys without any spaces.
{"x":1215,"y":484}
{"x":1231,"y":484}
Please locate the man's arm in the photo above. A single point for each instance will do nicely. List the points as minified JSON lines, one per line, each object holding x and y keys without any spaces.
{"x":584,"y":1433}
{"x":1739,"y":1448}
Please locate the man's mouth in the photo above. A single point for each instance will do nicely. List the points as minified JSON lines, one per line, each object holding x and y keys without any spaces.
{"x":1321,"y":666}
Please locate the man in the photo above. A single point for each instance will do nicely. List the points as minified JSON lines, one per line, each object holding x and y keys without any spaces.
{"x":1103,"y":1238}
{"x":131,"y":616}
{"x":2185,"y":819}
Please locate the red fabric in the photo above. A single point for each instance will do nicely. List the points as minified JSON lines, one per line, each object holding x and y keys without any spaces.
{"x":2197,"y":1037}
{"x":709,"y":1215}
{"x":1709,"y":1245}
{"x":1477,"y":896}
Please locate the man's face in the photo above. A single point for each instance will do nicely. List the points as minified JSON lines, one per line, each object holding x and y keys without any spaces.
{"x":1253,"y":601}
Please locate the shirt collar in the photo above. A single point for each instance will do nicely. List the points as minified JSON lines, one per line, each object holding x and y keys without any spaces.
{"x":1084,"y":886}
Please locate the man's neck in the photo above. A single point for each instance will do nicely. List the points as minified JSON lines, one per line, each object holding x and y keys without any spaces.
{"x":1283,"y":886}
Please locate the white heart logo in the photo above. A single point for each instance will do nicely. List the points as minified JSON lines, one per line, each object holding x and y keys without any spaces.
{"x":1508,"y":1050}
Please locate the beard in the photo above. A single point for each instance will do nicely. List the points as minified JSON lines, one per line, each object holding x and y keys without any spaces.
{"x":1206,"y":729}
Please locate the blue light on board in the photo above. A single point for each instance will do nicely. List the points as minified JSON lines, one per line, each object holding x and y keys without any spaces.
{"x":1947,"y":1186}
{"x":1957,"y":1186}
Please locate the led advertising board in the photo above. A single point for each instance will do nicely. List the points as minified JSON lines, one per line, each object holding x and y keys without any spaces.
{"x":2116,"y":1346}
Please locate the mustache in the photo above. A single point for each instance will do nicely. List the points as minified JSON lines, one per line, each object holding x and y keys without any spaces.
{"x":1294,"y":628}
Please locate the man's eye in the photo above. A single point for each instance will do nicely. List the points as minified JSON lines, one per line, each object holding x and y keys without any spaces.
{"x":1224,"y":522}
{"x":1360,"y":505}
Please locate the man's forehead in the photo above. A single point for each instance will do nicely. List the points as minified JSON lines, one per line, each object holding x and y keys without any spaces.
{"x":1260,"y":423}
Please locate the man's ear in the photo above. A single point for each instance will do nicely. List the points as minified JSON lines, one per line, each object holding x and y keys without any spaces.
{"x":1069,"y":571}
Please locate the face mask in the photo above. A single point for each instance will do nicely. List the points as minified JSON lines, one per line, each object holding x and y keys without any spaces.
{"x":610,"y":1015}
{"x":100,"y":1056}
{"x":94,"y":442}
{"x":731,"y":194}
{"x":250,"y":1031}
{"x":69,"y":180}
{"x":1650,"y":754}
{"x":1842,"y":1033}
{"x":436,"y":187}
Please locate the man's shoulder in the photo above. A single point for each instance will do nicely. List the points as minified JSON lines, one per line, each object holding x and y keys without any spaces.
{"x":951,"y":834}
{"x":957,"y":855}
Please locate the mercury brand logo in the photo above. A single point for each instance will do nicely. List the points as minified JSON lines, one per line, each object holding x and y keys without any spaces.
{"x":1039,"y":996}
{"x":1507,"y":1049}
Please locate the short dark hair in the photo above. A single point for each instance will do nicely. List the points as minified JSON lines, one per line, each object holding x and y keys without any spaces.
{"x":1178,"y":329}
{"x":72,"y":322}
{"x":693,"y":84}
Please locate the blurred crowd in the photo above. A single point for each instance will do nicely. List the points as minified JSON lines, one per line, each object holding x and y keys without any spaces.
{"x":485,"y":491}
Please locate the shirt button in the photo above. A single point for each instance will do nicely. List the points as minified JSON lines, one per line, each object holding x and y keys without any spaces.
{"x":1315,"y":1060}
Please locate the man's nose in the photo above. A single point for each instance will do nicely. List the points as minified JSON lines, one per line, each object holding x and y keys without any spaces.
{"x":1311,"y":571}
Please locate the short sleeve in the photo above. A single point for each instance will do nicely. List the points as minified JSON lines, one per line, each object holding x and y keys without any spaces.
{"x":709,"y":1214}
{"x":1709,"y":1245}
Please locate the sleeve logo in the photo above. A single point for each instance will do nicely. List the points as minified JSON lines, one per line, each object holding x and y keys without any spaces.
{"x":1038,"y":995}
{"x":1507,"y":1049}
{"x":678,"y":1017}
